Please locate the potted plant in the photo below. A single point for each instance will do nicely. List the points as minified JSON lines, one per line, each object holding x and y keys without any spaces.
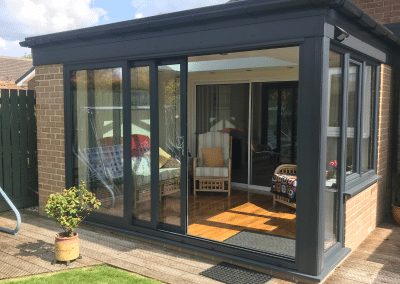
{"x":69,"y":208}
{"x":396,"y":199}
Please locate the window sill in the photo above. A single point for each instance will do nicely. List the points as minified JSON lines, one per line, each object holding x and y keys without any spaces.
{"x":362,"y":186}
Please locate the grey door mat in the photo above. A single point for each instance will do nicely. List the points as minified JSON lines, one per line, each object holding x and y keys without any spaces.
{"x":233,"y":274}
{"x":264,"y":242}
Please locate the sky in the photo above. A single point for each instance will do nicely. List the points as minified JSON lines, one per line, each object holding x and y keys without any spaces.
{"x":25,"y":18}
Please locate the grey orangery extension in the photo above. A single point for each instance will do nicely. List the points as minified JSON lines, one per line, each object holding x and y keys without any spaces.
{"x":306,"y":83}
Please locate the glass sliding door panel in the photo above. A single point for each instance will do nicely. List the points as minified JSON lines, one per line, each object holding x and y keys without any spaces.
{"x":368,"y":119}
{"x":97,"y":144}
{"x":140,"y":149}
{"x":273,"y":129}
{"x":225,"y":108}
{"x":287,"y":126}
{"x":264,"y":159}
{"x":354,"y":75}
{"x":333,"y":144}
{"x":170,"y":143}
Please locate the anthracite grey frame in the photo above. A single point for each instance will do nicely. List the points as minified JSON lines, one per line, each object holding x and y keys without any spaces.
{"x":310,"y":256}
{"x":234,"y":34}
{"x":346,"y":187}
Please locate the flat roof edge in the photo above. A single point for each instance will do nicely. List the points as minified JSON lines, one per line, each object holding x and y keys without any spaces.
{"x":346,"y":7}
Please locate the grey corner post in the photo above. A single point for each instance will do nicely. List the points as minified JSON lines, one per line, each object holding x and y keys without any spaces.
{"x":9,"y":231}
{"x":312,"y":115}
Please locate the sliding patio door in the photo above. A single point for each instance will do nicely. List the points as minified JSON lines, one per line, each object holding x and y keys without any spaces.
{"x":263,"y":135}
{"x":273,"y":129}
{"x":158,"y":149}
{"x":172,"y":147}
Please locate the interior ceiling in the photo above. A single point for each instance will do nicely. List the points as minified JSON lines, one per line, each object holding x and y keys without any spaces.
{"x":288,"y":54}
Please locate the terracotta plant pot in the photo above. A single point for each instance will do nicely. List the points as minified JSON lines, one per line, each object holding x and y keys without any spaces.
{"x":396,"y":214}
{"x":66,"y":248}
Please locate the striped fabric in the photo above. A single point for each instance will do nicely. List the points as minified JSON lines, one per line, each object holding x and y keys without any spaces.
{"x":214,"y":140}
{"x":211,"y":172}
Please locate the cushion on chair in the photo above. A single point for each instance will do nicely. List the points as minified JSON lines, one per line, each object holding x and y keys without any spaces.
{"x":212,"y":172}
{"x":213,"y":157}
{"x":213,"y":140}
{"x":172,"y":163}
{"x":164,"y":156}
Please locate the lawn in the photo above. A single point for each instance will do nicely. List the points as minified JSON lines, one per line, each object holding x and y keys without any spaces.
{"x":102,"y":274}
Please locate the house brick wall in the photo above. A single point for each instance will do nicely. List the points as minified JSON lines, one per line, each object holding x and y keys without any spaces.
{"x":368,"y":208}
{"x":50,"y":131}
{"x":383,"y":11}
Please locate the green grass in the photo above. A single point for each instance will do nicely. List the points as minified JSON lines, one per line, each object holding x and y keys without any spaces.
{"x":102,"y":274}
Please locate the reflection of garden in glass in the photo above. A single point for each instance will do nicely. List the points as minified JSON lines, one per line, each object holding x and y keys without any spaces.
{"x":140,"y":152}
{"x":170,"y":142}
{"x":98,"y":135}
{"x":333,"y":148}
{"x":354,"y":72}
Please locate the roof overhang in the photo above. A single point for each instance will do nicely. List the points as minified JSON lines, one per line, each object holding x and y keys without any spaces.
{"x":217,"y":12}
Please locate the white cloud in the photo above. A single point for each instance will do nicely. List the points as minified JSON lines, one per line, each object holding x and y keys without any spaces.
{"x":34,"y":17}
{"x":138,"y":15}
{"x":154,"y":7}
{"x":12,"y":48}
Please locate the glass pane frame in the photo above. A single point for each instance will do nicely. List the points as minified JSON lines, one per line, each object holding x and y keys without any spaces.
{"x":347,"y":183}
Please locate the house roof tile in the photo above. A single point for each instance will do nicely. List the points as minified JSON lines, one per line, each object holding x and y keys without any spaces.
{"x":12,"y":68}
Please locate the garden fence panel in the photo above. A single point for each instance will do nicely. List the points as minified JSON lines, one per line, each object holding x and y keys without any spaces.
{"x":18,"y":148}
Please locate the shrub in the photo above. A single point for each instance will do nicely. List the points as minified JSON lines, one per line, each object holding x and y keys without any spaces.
{"x":71,"y":206}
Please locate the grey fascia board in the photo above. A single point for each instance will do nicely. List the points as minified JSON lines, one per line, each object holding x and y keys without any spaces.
{"x":160,"y":21}
{"x":216,"y":12}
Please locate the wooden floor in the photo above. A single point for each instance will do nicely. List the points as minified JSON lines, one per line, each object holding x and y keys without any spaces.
{"x":32,"y":251}
{"x":218,"y":217}
{"x":377,"y":260}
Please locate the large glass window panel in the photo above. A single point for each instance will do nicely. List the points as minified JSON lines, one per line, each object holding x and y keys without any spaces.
{"x":273,"y":126}
{"x":225,"y":108}
{"x":354,"y":81}
{"x":368,"y":118}
{"x":333,"y":142}
{"x":140,"y":149}
{"x":241,"y":93}
{"x":170,"y":143}
{"x":97,"y":145}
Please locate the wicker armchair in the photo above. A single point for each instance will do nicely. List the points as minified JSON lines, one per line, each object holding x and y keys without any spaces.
{"x":213,"y":178}
{"x":284,"y":169}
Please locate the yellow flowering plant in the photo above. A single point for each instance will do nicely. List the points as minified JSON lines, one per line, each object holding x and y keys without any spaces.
{"x":71,"y":206}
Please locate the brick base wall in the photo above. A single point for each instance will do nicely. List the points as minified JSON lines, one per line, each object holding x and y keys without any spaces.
{"x":50,"y":131}
{"x":367,"y":209}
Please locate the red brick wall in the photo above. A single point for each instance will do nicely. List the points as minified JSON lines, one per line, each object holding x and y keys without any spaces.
{"x":368,"y":208}
{"x":383,"y":11}
{"x":50,"y":131}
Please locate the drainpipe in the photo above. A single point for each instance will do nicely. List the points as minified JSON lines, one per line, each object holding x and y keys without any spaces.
{"x":395,"y":127}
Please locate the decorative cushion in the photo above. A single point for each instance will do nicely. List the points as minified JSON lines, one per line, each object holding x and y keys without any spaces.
{"x":172,"y":163}
{"x":164,"y":156}
{"x":141,"y":165}
{"x":140,"y":145}
{"x":213,"y":157}
{"x":211,"y":172}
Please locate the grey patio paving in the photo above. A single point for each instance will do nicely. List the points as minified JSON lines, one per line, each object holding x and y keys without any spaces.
{"x":377,"y":260}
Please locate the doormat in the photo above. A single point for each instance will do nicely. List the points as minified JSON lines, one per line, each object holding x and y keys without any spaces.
{"x":264,"y":242}
{"x":233,"y":274}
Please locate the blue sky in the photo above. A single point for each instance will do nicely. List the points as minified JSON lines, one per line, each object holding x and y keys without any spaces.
{"x":25,"y":18}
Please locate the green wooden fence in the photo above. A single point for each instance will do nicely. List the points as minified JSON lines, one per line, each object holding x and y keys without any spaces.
{"x":18,"y":148}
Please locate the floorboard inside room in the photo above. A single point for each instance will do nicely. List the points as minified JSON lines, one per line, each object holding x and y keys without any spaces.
{"x":221,"y":218}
